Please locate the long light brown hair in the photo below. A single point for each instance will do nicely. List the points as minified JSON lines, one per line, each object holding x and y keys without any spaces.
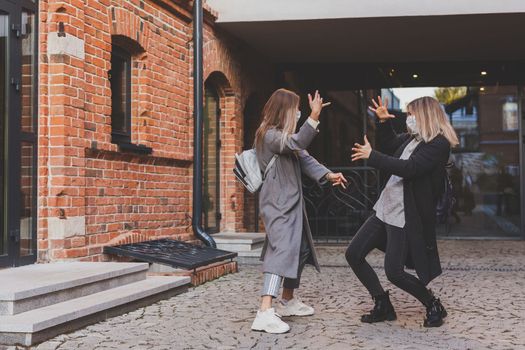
{"x":432,"y":120}
{"x":280,"y":113}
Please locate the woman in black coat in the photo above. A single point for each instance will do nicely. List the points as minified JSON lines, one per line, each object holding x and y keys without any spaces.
{"x":403,"y":224}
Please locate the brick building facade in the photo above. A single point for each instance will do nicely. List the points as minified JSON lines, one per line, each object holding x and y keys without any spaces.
{"x":98,"y":149}
{"x":94,"y":190}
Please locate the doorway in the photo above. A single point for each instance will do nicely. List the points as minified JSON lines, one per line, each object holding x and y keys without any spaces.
{"x":18,"y":132}
{"x":485,"y":166}
{"x":211,"y":169}
{"x":487,"y":114}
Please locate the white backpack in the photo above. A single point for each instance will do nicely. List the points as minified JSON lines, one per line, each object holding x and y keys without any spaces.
{"x":248,"y":172}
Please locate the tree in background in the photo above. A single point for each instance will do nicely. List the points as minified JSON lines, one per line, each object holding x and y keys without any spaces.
{"x":446,"y":95}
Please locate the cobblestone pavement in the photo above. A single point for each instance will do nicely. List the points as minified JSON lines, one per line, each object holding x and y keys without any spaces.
{"x":483,"y":288}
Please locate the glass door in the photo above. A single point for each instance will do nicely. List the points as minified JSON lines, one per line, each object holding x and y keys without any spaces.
{"x":8,"y":19}
{"x":211,"y":147}
{"x":18,"y":132}
{"x":4,"y":86}
{"x":486,"y":172}
{"x":28,"y":128}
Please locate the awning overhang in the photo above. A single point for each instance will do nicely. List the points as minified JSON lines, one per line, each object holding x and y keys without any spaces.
{"x":328,"y":31}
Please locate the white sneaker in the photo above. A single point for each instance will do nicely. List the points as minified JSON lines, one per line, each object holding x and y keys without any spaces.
{"x":294,"y":307}
{"x":269,"y":322}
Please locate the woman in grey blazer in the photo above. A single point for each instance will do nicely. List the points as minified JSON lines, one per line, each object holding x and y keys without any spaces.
{"x":288,"y":245}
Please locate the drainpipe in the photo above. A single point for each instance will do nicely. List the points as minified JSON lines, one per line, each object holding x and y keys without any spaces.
{"x":198,"y":124}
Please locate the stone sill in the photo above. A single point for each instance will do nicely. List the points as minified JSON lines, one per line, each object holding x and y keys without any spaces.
{"x":136,"y":158}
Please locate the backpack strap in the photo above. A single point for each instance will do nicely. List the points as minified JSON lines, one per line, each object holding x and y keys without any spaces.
{"x":269,"y":166}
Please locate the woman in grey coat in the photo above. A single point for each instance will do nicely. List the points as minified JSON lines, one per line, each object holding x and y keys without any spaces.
{"x":288,"y":245}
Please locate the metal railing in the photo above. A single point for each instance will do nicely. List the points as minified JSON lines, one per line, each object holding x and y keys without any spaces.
{"x":334,"y":212}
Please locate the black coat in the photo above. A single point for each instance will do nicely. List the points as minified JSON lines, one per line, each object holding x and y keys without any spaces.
{"x":423,"y":184}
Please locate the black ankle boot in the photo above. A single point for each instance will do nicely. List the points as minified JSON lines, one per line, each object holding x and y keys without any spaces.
{"x":435,"y":313}
{"x":383,"y":310}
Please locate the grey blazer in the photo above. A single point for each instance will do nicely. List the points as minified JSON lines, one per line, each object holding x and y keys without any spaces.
{"x":281,"y":200}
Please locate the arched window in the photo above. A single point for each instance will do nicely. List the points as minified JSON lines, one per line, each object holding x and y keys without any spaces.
{"x":120,"y":80}
{"x":121,"y":76}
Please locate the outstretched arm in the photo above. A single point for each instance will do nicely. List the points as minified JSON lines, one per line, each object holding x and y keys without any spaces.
{"x":318,"y":172}
{"x":302,"y":139}
{"x":293,"y":143}
{"x":311,"y":167}
{"x":435,"y":153}
{"x":387,"y":139}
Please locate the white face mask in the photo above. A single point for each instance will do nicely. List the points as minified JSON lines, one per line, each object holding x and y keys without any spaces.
{"x":298,"y":115}
{"x":411,"y":124}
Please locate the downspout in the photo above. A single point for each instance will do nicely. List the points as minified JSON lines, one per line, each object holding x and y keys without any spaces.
{"x":197,"y":126}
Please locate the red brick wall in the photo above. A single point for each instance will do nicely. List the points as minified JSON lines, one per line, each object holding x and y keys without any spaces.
{"x":90,"y":193}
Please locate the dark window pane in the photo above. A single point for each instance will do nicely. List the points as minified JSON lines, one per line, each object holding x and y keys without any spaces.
{"x":120,"y":93}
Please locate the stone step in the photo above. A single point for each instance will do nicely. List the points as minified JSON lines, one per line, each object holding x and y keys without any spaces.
{"x":256,"y":253}
{"x":43,"y":323}
{"x":35,"y":286}
{"x":250,"y":258}
{"x":239,"y":241}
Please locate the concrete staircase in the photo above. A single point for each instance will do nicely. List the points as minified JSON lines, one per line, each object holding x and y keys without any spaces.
{"x":248,"y":245}
{"x":38,"y":302}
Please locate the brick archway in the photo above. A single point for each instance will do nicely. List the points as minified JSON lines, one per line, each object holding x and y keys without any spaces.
{"x":231,"y":197}
{"x":126,"y":24}
{"x":251,"y":120}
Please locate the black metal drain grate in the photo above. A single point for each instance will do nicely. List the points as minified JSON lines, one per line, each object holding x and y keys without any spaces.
{"x":171,"y":252}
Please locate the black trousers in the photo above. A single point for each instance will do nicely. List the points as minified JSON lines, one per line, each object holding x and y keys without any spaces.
{"x":373,"y":234}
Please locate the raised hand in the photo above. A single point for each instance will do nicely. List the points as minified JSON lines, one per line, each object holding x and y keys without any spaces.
{"x":337,"y":179}
{"x":361,"y":151}
{"x":316,"y":105}
{"x":380,"y":109}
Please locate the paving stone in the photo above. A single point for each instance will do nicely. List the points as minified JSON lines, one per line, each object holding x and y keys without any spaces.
{"x":483,"y":288}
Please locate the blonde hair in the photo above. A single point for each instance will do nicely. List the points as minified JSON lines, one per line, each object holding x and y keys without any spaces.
{"x":432,"y":120}
{"x":280,"y":113}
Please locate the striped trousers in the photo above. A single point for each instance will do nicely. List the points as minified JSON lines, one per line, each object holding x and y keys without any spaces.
{"x":272,"y":282}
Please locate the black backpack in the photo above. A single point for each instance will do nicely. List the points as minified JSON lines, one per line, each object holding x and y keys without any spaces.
{"x":447,"y":200}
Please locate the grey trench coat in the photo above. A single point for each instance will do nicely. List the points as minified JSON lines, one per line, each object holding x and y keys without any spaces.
{"x":281,"y":200}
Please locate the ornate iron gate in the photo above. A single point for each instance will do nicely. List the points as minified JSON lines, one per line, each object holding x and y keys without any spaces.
{"x":336,"y":213}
